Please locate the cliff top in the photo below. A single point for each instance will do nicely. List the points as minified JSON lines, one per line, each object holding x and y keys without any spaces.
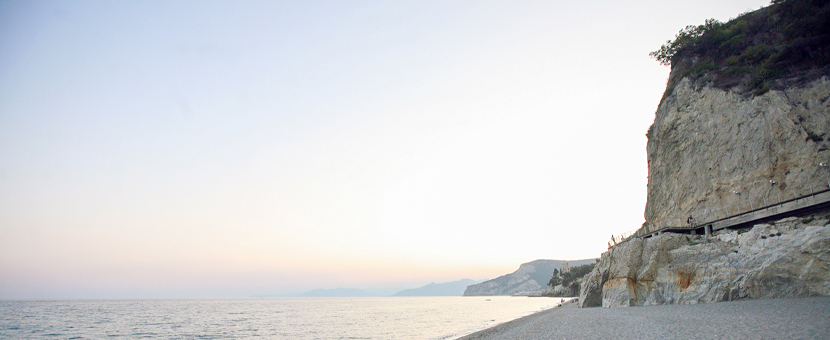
{"x":782,"y":45}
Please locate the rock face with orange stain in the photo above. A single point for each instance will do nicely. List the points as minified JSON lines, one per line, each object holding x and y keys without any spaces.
{"x":787,"y":258}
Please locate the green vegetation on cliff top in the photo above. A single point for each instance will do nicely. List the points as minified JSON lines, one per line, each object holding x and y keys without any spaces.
{"x":784,"y":44}
{"x":565,"y":279}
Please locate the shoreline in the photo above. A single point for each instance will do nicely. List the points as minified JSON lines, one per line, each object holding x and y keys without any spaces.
{"x":507,"y":323}
{"x":790,"y":318}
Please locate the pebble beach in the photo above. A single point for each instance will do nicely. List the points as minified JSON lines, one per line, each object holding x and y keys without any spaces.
{"x":795,"y":318}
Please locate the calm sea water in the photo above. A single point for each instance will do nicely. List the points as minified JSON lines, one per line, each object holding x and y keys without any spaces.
{"x":271,"y":318}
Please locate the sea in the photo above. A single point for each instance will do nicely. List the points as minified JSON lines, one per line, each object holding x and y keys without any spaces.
{"x":446,"y":317}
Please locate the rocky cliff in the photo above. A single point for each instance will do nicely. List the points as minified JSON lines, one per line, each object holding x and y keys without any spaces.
{"x":530,"y":278}
{"x":744,"y":123}
{"x":788,"y":258}
{"x":711,"y":149}
{"x":745,"y":117}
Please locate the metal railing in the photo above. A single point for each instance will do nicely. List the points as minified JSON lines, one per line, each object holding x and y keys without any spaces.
{"x":617,"y":239}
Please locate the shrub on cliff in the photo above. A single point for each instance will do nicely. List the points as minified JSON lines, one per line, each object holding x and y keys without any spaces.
{"x":787,"y":42}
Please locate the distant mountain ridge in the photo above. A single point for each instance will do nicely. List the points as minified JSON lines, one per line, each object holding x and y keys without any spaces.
{"x":336,"y":292}
{"x":455,"y":288}
{"x":530,"y":278}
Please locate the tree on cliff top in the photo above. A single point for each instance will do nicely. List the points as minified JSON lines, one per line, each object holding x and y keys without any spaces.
{"x":683,"y":40}
{"x":784,"y":43}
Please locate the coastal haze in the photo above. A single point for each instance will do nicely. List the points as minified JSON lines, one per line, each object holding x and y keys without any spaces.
{"x":218,"y":149}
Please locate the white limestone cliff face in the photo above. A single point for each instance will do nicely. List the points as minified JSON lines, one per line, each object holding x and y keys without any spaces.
{"x":519,"y":282}
{"x":707,"y":143}
{"x":787,"y":258}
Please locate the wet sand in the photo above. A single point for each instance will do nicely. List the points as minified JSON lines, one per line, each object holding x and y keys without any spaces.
{"x":799,"y":318}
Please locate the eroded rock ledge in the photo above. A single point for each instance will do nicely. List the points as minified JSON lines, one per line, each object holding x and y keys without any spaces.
{"x":786,"y":258}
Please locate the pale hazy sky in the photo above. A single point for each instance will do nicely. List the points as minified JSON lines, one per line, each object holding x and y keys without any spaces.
{"x":210,"y":149}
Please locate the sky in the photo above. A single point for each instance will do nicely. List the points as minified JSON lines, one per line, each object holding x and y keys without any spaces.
{"x":231,"y":149}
